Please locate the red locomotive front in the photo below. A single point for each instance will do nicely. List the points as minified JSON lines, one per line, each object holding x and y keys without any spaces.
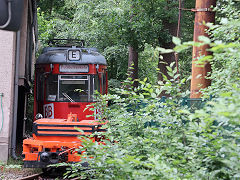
{"x":66,"y":79}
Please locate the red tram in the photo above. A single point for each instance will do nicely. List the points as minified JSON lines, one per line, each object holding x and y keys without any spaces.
{"x":65,"y":81}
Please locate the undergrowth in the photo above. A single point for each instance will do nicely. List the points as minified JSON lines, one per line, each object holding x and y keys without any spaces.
{"x":150,"y":137}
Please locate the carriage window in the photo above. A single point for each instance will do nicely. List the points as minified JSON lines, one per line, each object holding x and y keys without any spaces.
{"x":51,"y":89}
{"x":95,"y":87}
{"x":40,"y":82}
{"x":96,"y":83}
{"x":74,"y":88}
{"x":104,"y":80}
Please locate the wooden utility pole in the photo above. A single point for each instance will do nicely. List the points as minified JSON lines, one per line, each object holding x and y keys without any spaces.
{"x":204,"y":14}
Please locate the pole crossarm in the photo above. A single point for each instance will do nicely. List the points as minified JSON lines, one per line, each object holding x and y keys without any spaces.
{"x":198,"y":10}
{"x":202,"y":10}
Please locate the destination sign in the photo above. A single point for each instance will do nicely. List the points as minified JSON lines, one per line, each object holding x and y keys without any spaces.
{"x":74,"y":68}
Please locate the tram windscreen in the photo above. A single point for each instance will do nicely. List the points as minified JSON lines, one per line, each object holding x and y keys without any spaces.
{"x":74,"y":88}
{"x":71,"y":88}
{"x":52,"y":87}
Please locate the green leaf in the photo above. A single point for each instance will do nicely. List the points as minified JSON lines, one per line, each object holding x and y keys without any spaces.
{"x":164,"y":51}
{"x":176,"y":40}
{"x":204,"y":39}
{"x":169,"y":69}
{"x":153,"y":95}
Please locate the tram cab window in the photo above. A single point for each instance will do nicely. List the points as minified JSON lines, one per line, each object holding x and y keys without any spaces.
{"x":51,"y":89}
{"x":74,"y":88}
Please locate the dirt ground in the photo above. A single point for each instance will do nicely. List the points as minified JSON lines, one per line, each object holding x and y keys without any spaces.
{"x":13,"y":174}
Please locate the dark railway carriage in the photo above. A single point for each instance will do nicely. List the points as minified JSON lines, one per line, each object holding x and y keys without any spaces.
{"x":65,"y":81}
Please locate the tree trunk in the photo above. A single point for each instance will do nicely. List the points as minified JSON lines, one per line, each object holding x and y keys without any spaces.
{"x":133,"y":65}
{"x":169,"y":57}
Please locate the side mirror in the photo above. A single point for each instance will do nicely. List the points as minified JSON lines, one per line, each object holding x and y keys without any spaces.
{"x":11,"y":14}
{"x":38,"y":116}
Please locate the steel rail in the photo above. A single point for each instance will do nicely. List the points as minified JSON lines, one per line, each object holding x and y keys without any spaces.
{"x":31,"y":177}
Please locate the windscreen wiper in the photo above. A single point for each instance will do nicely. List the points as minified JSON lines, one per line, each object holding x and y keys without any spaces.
{"x":68,"y":97}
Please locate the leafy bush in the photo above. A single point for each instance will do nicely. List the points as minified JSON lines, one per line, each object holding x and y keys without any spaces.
{"x":153,"y":138}
{"x":148,"y":138}
{"x":179,"y":144}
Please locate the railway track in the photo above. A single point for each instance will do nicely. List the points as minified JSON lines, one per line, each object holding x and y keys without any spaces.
{"x":32,"y":177}
{"x":41,"y":176}
{"x":47,"y":174}
{"x":50,"y":174}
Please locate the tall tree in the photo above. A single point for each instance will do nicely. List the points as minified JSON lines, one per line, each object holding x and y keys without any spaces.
{"x":106,"y":25}
{"x":133,"y":65}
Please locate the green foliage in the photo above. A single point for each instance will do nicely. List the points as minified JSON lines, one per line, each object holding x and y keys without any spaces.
{"x":226,"y":49}
{"x":154,"y":138}
{"x":11,"y":165}
{"x":149,"y":137}
{"x":117,"y":59}
{"x":148,"y":63}
{"x":113,"y":25}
